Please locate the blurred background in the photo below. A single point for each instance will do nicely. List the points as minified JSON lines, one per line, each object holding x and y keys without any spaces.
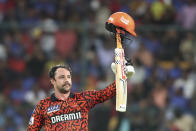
{"x":36,"y":34}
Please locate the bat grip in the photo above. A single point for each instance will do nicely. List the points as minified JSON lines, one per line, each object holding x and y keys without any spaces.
{"x":118,"y":39}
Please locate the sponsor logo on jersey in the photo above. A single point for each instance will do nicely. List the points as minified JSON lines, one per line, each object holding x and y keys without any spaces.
{"x":65,"y":117}
{"x":53,"y":108}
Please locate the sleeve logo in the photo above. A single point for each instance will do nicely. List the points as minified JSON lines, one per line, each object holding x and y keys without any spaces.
{"x":31,"y":122}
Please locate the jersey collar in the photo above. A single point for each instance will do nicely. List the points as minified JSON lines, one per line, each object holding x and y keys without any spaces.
{"x":53,"y":97}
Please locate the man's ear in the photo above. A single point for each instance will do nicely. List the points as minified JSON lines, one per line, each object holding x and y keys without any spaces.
{"x":52,"y":81}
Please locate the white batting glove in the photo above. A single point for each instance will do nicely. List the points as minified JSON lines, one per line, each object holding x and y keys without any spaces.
{"x":129,"y":69}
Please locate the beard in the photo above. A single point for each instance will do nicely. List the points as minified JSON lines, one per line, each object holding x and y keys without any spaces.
{"x":65,"y":88}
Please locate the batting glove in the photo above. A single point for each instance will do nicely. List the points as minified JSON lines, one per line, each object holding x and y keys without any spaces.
{"x":129,"y":69}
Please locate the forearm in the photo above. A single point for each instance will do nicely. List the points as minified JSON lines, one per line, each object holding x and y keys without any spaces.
{"x":104,"y":94}
{"x":108,"y":92}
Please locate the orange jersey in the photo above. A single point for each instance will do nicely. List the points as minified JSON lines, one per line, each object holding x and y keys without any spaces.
{"x":72,"y":114}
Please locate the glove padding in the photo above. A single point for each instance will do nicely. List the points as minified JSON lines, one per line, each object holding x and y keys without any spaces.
{"x":129,"y":69}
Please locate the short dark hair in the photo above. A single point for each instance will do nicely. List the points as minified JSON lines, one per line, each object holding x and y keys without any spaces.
{"x":54,"y":68}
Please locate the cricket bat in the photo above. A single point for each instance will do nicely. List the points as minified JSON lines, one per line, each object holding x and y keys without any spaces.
{"x":121,"y":78}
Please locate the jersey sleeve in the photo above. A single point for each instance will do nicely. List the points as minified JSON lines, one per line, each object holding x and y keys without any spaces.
{"x":36,"y":120}
{"x":96,"y":97}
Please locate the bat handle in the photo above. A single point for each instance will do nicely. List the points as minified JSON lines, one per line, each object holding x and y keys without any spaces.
{"x":118,"y":39}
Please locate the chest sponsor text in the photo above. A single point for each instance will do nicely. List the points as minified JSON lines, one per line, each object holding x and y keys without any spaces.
{"x":65,"y":117}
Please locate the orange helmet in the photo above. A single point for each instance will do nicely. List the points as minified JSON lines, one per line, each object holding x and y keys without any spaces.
{"x":121,"y":20}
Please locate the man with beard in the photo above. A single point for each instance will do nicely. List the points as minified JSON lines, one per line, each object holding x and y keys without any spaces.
{"x":65,"y":110}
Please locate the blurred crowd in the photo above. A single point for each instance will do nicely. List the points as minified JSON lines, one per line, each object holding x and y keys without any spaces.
{"x":36,"y":34}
